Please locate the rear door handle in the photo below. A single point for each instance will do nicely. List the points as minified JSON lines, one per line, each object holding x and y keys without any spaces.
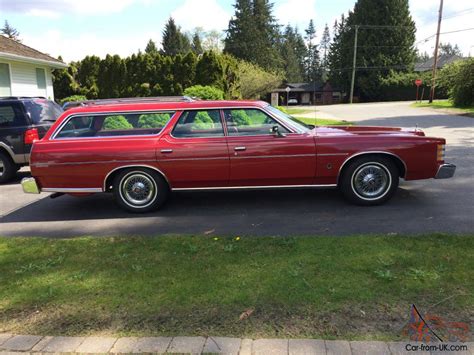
{"x":237,"y":149}
{"x":167,"y":150}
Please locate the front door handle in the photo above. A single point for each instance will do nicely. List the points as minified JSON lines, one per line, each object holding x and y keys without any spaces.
{"x":238,"y":149}
{"x":167,"y":151}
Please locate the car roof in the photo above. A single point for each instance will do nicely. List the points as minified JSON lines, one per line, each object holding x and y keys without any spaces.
{"x":166,"y":106}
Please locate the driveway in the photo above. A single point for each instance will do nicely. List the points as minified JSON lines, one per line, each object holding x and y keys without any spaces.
{"x":418,"y":207}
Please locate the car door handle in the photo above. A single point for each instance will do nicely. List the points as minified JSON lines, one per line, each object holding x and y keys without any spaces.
{"x":237,"y":149}
{"x":167,"y":150}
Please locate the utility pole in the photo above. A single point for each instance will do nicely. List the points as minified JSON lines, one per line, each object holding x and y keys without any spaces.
{"x":354,"y":63}
{"x":435,"y":61}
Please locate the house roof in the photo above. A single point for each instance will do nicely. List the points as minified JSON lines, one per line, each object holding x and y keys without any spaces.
{"x":304,"y":87}
{"x":13,"y":50}
{"x":443,"y":60}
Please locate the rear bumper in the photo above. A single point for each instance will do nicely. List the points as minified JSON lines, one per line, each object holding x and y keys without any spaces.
{"x":30,"y":186}
{"x":445,"y":171}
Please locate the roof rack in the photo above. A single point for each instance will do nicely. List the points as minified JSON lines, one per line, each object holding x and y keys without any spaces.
{"x":21,"y":97}
{"x":126,"y":100}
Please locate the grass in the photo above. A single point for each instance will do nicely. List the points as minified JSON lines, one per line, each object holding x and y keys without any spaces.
{"x":297,"y":111}
{"x":324,"y":121}
{"x":356,"y":287}
{"x":446,"y":105}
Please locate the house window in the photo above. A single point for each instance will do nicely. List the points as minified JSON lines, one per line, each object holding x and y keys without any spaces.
{"x":5,"y":83}
{"x":41,"y":78}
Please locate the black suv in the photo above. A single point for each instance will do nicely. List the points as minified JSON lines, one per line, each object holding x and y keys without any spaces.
{"x":22,"y":121}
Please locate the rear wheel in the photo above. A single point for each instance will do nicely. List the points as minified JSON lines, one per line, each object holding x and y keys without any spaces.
{"x":140,"y":190}
{"x":369,"y":180}
{"x":7,"y":168}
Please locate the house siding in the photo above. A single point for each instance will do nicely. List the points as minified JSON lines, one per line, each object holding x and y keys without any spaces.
{"x":24,"y":83}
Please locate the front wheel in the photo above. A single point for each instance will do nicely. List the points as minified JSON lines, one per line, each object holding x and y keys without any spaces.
{"x":7,"y":168}
{"x":369,"y":181}
{"x":140,"y":190}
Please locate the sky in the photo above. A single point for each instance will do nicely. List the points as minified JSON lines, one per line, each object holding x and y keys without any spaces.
{"x":76,"y":28}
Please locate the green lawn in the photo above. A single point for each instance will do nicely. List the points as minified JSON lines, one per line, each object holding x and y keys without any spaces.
{"x":297,"y":111}
{"x":446,"y":105}
{"x":326,"y":287}
{"x":324,"y":121}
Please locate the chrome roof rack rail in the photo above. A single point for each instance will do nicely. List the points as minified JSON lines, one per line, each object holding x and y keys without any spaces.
{"x":126,"y":100}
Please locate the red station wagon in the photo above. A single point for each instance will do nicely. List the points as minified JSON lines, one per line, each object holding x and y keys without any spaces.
{"x":142,"y":149}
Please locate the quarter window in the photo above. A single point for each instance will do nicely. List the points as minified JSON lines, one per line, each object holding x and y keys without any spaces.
{"x":115,"y":125}
{"x":205,"y":123}
{"x":250,"y":122}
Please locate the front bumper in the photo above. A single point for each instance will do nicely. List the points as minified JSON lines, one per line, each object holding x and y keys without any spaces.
{"x":30,"y":186}
{"x":445,"y":171}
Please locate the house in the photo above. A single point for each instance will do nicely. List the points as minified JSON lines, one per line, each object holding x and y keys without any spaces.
{"x":443,"y":60}
{"x":315,"y":93}
{"x":24,"y":71}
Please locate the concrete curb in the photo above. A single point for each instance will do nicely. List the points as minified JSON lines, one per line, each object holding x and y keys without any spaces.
{"x":13,"y":344}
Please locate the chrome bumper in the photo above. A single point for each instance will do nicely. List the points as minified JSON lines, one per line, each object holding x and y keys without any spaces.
{"x":445,"y":171}
{"x":30,"y":186}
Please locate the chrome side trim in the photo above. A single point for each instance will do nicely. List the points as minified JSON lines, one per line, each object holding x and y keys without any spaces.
{"x":331,"y":154}
{"x":46,"y":164}
{"x":69,"y":190}
{"x":271,"y":156}
{"x":104,"y":188}
{"x":253,"y":187}
{"x":371,"y":152}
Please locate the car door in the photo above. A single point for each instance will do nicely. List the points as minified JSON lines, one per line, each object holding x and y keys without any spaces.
{"x":195,"y":154}
{"x":259,"y":157}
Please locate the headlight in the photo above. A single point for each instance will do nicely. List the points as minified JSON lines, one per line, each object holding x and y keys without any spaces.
{"x":440,"y":152}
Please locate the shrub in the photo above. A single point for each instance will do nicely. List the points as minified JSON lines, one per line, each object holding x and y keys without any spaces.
{"x":203,"y":121}
{"x":241,"y":118}
{"x":282,"y":109}
{"x":72,"y":98}
{"x":156,"y":120}
{"x":458,"y":79}
{"x":116,"y":122}
{"x":204,"y":92}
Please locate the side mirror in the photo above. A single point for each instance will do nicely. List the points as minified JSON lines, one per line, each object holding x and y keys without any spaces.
{"x":275,"y":130}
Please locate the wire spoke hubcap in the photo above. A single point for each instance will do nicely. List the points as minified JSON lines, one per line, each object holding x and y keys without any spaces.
{"x":371,"y":181}
{"x":138,"y":189}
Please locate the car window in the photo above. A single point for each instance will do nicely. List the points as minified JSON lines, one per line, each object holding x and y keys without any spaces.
{"x":250,"y":122}
{"x":204,"y":123}
{"x":41,"y":110}
{"x":114,"y":125}
{"x":11,"y":115}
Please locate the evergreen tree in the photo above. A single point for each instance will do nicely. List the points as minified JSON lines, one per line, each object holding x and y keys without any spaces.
{"x":196,"y":46}
{"x":325,"y":42}
{"x":386,"y":39}
{"x":112,"y":76}
{"x":151,"y":47}
{"x":313,"y":66}
{"x":293,"y":52}
{"x":210,"y":71}
{"x":449,"y":49}
{"x":253,"y":34}
{"x":174,"y":41}
{"x":10,"y":32}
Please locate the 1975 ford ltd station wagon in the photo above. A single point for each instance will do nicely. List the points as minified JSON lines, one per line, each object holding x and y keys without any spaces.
{"x":141,"y":150}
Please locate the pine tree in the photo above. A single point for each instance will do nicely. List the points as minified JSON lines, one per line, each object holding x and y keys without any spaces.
{"x":174,"y":41}
{"x":210,"y":71}
{"x":313,"y":66}
{"x":449,"y":49}
{"x":151,"y":47}
{"x":293,"y":53}
{"x":196,"y":46}
{"x":325,"y":42}
{"x":10,"y":32}
{"x":112,"y":76}
{"x":253,"y":34}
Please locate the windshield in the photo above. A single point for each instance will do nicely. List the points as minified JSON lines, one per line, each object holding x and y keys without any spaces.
{"x":41,"y":110}
{"x":296,"y":125}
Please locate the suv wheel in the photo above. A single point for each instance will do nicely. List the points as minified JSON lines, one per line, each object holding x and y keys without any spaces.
{"x":140,"y":190}
{"x":7,"y":168}
{"x":369,"y":181}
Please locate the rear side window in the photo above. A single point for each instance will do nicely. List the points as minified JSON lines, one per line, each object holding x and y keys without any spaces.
{"x":43,"y":110}
{"x":115,"y":125}
{"x":205,"y":123}
{"x":11,"y":115}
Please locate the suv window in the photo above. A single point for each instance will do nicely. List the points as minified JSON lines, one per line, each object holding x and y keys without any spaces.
{"x":42,"y":110}
{"x":115,"y":125}
{"x":204,"y":123}
{"x":11,"y":115}
{"x":250,"y":122}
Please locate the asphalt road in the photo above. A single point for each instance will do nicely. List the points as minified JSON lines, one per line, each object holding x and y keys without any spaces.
{"x":418,"y":207}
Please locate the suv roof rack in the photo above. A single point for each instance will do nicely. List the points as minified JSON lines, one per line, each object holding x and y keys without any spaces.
{"x":21,"y":97}
{"x":126,"y":100}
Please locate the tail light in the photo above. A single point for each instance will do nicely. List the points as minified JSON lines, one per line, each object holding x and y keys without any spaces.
{"x":440,"y":152}
{"x":31,"y":136}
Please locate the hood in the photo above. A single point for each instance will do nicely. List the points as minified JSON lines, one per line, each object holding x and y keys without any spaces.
{"x":367,"y":130}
